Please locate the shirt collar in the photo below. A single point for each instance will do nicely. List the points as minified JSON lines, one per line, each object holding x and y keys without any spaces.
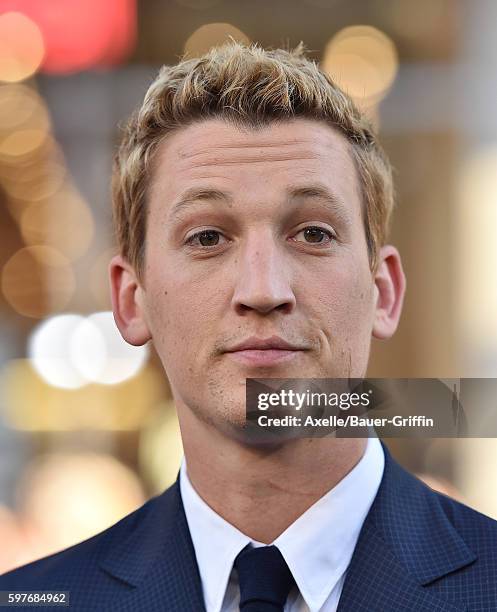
{"x":317,"y":547}
{"x":216,"y":542}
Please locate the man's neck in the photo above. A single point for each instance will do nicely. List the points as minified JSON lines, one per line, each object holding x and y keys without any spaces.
{"x":263,"y":491}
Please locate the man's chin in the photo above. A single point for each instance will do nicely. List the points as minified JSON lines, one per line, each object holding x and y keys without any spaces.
{"x":249,"y":433}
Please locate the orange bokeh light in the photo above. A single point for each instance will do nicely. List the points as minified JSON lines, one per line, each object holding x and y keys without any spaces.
{"x":81,"y":34}
{"x":21,"y":47}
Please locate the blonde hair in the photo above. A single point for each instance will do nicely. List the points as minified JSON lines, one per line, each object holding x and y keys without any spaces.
{"x":252,"y":86}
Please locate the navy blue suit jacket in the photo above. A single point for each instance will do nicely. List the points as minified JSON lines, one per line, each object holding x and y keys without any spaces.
{"x":418,"y":550}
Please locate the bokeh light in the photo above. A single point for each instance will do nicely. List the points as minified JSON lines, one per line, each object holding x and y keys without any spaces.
{"x":475,"y":250}
{"x":21,"y":47}
{"x":27,"y":167}
{"x":49,"y":348}
{"x":22,"y":142}
{"x":98,"y":282}
{"x":100,"y":354}
{"x":69,"y":351}
{"x":35,"y":182}
{"x":32,"y":404}
{"x":63,"y":221}
{"x":212,"y":35}
{"x":37,"y":281}
{"x":363,"y":61}
{"x":161,"y":449}
{"x":91,"y":491}
{"x":77,"y":35}
{"x":21,"y":106}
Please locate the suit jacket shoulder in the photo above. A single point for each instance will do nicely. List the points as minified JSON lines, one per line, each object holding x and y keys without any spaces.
{"x":421,"y":550}
{"x":478,"y":530}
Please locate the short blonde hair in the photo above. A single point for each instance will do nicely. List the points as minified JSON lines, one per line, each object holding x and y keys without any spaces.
{"x":252,"y":86}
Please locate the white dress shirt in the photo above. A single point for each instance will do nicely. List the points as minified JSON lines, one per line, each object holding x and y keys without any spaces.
{"x":317,"y":547}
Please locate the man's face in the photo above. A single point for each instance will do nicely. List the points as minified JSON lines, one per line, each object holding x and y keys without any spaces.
{"x":255,"y":238}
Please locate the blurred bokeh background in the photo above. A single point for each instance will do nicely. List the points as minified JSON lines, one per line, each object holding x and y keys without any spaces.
{"x":87,"y":427}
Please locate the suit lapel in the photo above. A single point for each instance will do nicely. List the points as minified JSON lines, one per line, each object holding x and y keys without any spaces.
{"x":157,"y":560}
{"x":406,"y":543}
{"x":377,"y":582}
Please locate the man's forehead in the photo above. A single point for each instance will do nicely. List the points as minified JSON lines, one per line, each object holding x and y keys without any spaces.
{"x":215,"y":141}
{"x":217,"y":154}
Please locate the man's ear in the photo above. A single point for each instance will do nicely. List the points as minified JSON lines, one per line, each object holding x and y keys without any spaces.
{"x":127,"y":302}
{"x":390,"y":287}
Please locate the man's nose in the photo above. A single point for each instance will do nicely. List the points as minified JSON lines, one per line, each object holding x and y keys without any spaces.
{"x":262,"y":278}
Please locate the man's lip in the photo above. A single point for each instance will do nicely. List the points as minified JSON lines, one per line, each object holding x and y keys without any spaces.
{"x":273,"y":343}
{"x":263,"y":357}
{"x":260,"y":352}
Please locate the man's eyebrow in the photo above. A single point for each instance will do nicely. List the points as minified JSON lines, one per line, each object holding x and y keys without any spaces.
{"x":198,"y":194}
{"x":194,"y":195}
{"x":316,"y":191}
{"x":320,"y":192}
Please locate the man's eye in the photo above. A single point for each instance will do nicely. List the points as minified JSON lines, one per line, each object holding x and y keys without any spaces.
{"x":315,"y":235}
{"x":205,"y":238}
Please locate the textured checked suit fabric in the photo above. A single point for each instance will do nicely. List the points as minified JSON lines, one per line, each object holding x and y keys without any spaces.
{"x":417,"y":551}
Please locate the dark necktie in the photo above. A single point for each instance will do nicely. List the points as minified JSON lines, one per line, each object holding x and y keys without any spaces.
{"x":265,"y":579}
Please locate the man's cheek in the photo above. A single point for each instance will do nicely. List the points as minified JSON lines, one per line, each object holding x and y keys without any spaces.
{"x":164,"y":324}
